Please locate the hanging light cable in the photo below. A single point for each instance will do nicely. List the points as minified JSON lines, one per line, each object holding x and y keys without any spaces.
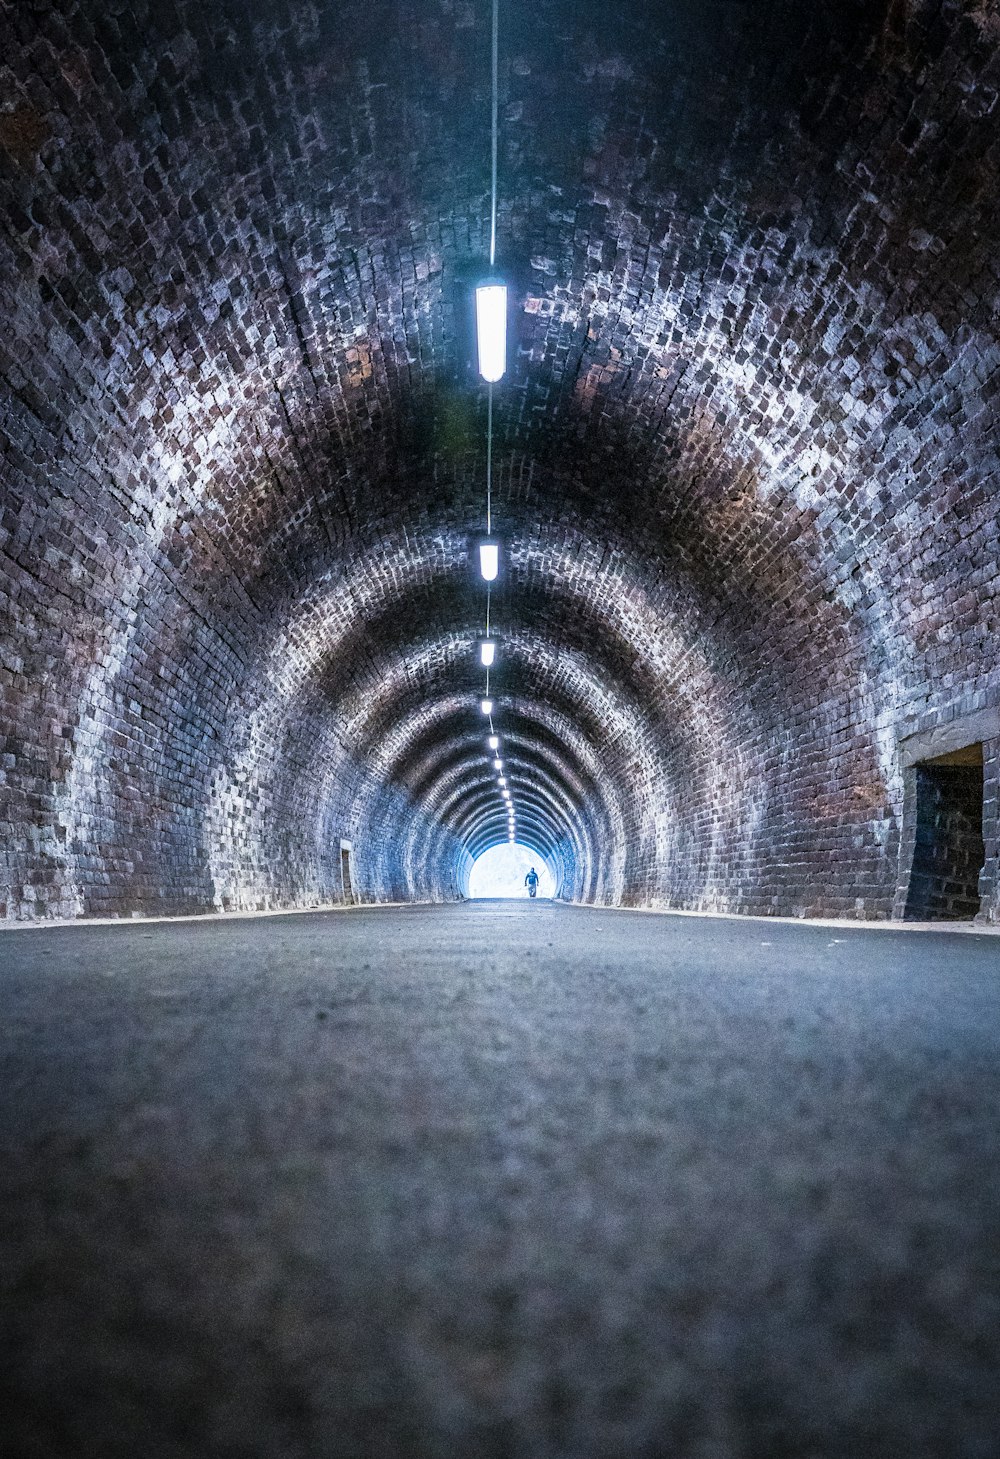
{"x":494,"y":52}
{"x":491,"y":326}
{"x":491,"y":319}
{"x":494,"y":299}
{"x":491,"y":296}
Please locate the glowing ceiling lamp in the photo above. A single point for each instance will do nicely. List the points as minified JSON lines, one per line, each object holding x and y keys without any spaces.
{"x":486,"y":705}
{"x":487,"y":652}
{"x":497,"y":764}
{"x":489,"y":560}
{"x":494,"y":742}
{"x":491,"y":330}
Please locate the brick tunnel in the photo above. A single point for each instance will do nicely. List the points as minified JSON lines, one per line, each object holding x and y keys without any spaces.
{"x":744,"y":457}
{"x":743,"y":473}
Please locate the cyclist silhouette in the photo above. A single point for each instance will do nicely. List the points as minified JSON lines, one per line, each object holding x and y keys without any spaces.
{"x":531,"y":882}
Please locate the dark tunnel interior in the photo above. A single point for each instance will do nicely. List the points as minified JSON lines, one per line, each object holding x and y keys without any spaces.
{"x":744,"y":460}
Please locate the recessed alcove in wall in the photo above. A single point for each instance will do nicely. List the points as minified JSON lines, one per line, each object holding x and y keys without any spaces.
{"x":947,"y":846}
{"x":948,"y":850}
{"x":346,"y":851}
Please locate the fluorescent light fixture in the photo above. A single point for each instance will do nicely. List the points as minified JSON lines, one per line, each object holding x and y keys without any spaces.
{"x":486,"y":705}
{"x":487,"y":652}
{"x":494,"y":742}
{"x":497,"y":764}
{"x":489,"y":561}
{"x":491,"y":330}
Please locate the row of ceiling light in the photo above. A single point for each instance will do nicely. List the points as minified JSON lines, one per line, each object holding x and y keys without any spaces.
{"x":491,"y":338}
{"x":491,"y":335}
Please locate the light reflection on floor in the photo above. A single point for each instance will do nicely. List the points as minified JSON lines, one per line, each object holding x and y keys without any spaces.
{"x":500,"y":872}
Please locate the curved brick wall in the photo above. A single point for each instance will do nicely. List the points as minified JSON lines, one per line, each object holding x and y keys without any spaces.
{"x":746,"y":464}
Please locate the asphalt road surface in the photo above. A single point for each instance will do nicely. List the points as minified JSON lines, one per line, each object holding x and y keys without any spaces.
{"x":499,"y":1179}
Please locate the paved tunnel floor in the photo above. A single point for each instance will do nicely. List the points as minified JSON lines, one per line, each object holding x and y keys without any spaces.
{"x":499,"y":1180}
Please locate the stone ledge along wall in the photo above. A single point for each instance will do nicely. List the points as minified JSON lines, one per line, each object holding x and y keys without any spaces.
{"x":746,"y":473}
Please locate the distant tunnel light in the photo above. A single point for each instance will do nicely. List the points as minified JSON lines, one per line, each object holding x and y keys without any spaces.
{"x":491,"y":330}
{"x":487,"y":652}
{"x":486,"y":705}
{"x":494,"y":742}
{"x":489,"y":560}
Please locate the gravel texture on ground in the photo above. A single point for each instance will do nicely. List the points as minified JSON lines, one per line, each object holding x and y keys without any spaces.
{"x":499,"y":1180}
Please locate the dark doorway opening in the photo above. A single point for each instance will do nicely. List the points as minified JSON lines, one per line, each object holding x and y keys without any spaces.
{"x":948,"y":851}
{"x":345,"y":872}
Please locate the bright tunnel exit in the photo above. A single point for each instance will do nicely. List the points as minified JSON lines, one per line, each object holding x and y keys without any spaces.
{"x":500,"y":872}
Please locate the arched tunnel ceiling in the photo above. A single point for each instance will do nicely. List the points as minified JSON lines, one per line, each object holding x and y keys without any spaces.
{"x":744,"y":449}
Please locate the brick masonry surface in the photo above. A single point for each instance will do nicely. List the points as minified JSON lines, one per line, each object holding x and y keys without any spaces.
{"x":746,"y":471}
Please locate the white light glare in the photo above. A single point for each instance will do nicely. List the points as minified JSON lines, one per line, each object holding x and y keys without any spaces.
{"x":486,"y":705}
{"x":494,"y":742}
{"x":497,"y":764}
{"x":489,"y":561}
{"x":491,"y":330}
{"x":487,"y":652}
